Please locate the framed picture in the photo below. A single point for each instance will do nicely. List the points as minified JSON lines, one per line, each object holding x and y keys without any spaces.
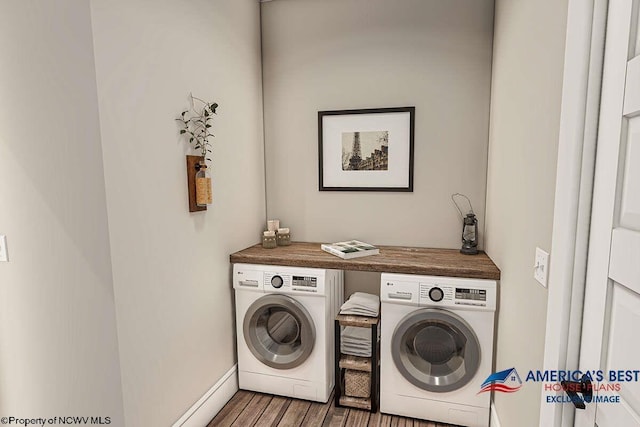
{"x":366,"y":150}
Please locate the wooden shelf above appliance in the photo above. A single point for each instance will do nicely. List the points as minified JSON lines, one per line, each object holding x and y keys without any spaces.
{"x":392,"y":259}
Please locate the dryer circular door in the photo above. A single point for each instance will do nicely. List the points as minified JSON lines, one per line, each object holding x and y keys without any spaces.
{"x":279,"y":331}
{"x":435,"y":350}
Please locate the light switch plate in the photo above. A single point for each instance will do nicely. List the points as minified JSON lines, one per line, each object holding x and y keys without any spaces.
{"x":4,"y":254}
{"x":541,"y":267}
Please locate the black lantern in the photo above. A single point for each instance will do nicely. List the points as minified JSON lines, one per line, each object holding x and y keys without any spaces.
{"x":470,"y":235}
{"x":469,"y":228}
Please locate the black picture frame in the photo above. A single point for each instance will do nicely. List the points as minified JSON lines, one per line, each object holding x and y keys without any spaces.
{"x":329,"y":144}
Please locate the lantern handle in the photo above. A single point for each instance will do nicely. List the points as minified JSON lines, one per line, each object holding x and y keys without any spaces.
{"x":453,"y":199}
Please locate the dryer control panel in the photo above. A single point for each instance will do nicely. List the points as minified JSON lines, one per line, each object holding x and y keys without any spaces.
{"x":401,"y":292}
{"x":430,"y":293}
{"x":452,"y":295}
{"x":286,"y":282}
{"x":435,"y":291}
{"x":285,"y":279}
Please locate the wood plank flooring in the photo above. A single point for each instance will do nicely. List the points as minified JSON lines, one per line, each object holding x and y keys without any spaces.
{"x":247,"y":409}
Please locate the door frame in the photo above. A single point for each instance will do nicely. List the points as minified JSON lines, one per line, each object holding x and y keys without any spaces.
{"x":582,"y":79}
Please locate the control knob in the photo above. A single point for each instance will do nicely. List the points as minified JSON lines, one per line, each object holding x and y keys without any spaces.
{"x":277,"y":282}
{"x":436,"y":294}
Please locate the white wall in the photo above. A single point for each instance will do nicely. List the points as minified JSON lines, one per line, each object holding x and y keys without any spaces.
{"x":525,"y":114}
{"x":348,"y":54}
{"x":58,"y":344}
{"x":171,"y":268}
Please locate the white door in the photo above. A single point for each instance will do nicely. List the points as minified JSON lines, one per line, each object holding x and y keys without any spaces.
{"x":611,"y":324}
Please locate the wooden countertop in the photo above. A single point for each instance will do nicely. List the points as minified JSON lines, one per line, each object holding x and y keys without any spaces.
{"x":392,"y":259}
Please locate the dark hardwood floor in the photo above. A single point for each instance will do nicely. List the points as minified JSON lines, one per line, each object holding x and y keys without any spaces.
{"x":247,"y":409}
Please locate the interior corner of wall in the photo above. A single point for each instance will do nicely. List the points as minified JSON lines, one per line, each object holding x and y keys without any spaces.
{"x":494,"y":419}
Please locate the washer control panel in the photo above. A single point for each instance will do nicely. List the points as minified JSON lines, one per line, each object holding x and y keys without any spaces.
{"x":283,"y":279}
{"x":431,"y":293}
{"x":438,"y":291}
{"x":401,"y":292}
{"x":306,"y":282}
{"x":471,"y":294}
{"x":290,"y":282}
{"x":276,"y":281}
{"x":435,"y":293}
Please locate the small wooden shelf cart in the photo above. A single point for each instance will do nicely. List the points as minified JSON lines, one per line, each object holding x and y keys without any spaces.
{"x":371,"y":365}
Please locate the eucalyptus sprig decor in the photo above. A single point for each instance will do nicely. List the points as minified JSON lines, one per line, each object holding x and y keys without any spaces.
{"x":195,"y":124}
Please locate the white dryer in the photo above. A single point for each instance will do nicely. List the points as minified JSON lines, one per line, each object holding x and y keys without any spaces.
{"x":285,"y":330}
{"x":436,"y":347}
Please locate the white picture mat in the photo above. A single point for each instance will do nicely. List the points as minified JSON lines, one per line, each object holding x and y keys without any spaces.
{"x":399,"y":127}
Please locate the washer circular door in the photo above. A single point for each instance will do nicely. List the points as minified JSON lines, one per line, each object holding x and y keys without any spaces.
{"x":435,"y":350}
{"x":279,"y":331}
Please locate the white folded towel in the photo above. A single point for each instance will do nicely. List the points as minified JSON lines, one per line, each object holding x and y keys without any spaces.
{"x":353,"y":333}
{"x":356,"y":341}
{"x":361,"y":304}
{"x":355,"y":351}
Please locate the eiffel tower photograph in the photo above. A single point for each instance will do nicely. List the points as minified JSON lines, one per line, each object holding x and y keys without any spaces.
{"x":365,"y":151}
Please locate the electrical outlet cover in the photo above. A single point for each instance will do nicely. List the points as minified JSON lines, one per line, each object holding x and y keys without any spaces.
{"x":541,"y":267}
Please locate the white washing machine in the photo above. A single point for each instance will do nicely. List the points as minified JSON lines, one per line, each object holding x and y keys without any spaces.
{"x":436,"y":347}
{"x":285,"y":330}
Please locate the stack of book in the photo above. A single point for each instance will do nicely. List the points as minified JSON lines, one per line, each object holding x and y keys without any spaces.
{"x":350,"y":249}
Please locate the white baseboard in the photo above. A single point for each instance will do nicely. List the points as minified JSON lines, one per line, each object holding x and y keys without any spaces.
{"x":495,"y":421}
{"x":211,"y":402}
